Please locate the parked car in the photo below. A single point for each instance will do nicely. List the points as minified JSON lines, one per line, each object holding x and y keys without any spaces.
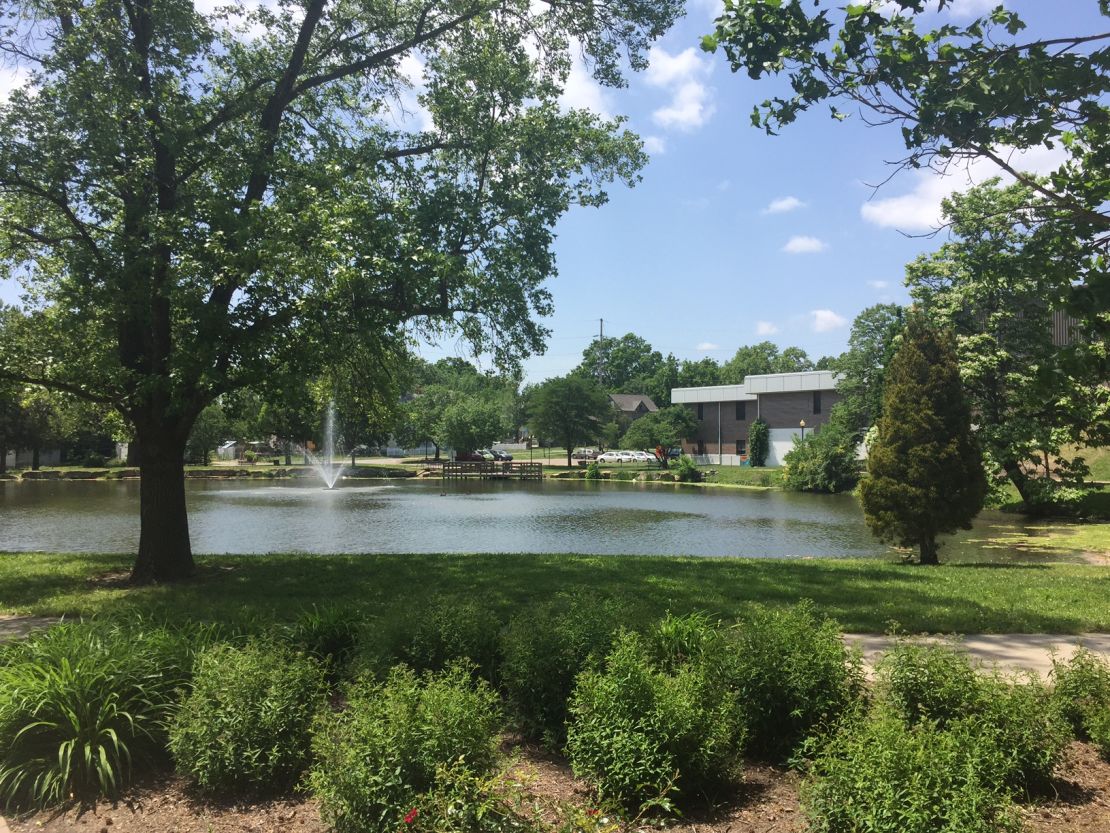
{"x":674,"y":452}
{"x":473,"y":456}
{"x":501,"y":456}
{"x":644,"y":457}
{"x":610,"y":457}
{"x":584,"y":454}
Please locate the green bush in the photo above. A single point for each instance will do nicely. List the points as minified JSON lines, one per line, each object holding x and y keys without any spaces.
{"x":400,"y":746}
{"x":246,"y":724}
{"x":884,"y":776}
{"x":593,"y":470}
{"x":330,"y":634}
{"x":81,"y":705}
{"x":443,"y":634}
{"x":93,"y":460}
{"x":545,"y":648}
{"x":922,"y":682}
{"x":794,"y":675}
{"x":678,"y":640}
{"x":646,"y":737}
{"x":759,"y":442}
{"x":1082,"y":688}
{"x":685,"y":470}
{"x":927,"y":680}
{"x":1098,"y":730}
{"x":826,"y":460}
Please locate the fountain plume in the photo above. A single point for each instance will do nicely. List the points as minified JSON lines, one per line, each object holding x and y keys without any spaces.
{"x":325,"y":464}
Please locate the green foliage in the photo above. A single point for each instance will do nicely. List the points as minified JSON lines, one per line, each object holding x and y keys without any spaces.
{"x":619,"y":364}
{"x":685,"y":470}
{"x":759,"y":442}
{"x":470,"y":423}
{"x":83,"y":705}
{"x":997,"y":285}
{"x":329,"y":633}
{"x":676,"y":641}
{"x":862,"y":368}
{"x":938,"y":686}
{"x":794,"y":675}
{"x":756,"y":359}
{"x":245,"y":726}
{"x":883,"y":776}
{"x":1082,"y":689}
{"x":209,"y":430}
{"x":401,"y":745}
{"x":925,"y":473}
{"x":569,"y":409}
{"x":593,"y":470}
{"x":1098,"y":729}
{"x":545,"y":648}
{"x":826,"y":460}
{"x":644,"y":735}
{"x":666,"y":427}
{"x":433,"y":638}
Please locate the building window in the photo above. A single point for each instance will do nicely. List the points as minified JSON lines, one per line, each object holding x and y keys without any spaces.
{"x":817,"y":402}
{"x":741,"y":411}
{"x":741,"y":447}
{"x":701,"y":411}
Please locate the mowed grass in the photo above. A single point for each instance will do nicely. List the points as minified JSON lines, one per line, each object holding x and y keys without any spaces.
{"x":865,"y":596}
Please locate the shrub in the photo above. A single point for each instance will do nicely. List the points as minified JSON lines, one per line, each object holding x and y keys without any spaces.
{"x":685,"y":470}
{"x":1082,"y":688}
{"x":593,"y":470}
{"x":93,"y":460}
{"x":401,"y":745}
{"x":246,"y":724}
{"x":443,"y":634}
{"x":926,"y":680}
{"x":330,"y":634}
{"x":794,"y":675}
{"x":82,"y":704}
{"x":545,"y":648}
{"x":759,"y":442}
{"x":678,"y":640}
{"x":645,"y":736}
{"x":922,"y":682}
{"x":883,"y":776}
{"x":826,"y":460}
{"x":1098,"y":729}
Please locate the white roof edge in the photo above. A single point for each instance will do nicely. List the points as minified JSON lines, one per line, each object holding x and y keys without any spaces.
{"x":806,"y":380}
{"x":711,"y":393}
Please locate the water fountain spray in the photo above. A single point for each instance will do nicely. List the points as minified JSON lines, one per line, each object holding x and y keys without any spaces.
{"x":324,"y":464}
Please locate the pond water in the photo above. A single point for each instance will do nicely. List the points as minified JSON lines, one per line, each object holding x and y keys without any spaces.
{"x":422,"y":516}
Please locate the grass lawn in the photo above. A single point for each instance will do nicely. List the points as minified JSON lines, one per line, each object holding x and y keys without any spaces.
{"x":865,"y":596}
{"x":743,"y":476}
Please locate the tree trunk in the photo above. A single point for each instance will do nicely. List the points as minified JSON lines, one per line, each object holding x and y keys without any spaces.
{"x":3,"y":460}
{"x":288,"y":454}
{"x":352,"y":460}
{"x":165,"y":553}
{"x":35,"y":458}
{"x":1020,"y":479}
{"x":134,"y":453}
{"x":437,"y":451}
{"x":570,"y":461}
{"x":929,"y":550}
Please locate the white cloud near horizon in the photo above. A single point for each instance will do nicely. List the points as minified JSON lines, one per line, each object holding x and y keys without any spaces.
{"x":825,"y":320}
{"x":581,"y":91}
{"x":707,"y":347}
{"x":919,"y":210}
{"x":878,"y":284}
{"x":682,"y":75}
{"x":765,"y":328}
{"x":801,"y":244}
{"x":783,"y":205}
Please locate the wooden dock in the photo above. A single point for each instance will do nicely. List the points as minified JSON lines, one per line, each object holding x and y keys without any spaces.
{"x":492,"y":470}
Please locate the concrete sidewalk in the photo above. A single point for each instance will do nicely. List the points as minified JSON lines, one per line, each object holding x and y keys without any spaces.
{"x":1007,"y":652}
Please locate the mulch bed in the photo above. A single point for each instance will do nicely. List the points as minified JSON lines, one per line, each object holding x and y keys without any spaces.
{"x":767,"y":802}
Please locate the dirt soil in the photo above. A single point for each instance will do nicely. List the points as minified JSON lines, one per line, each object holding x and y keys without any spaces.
{"x":767,"y":802}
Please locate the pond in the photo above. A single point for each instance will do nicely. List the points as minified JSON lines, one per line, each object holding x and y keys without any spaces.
{"x":478,"y":516}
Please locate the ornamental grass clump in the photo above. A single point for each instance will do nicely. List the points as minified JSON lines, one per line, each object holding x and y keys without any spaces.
{"x":246,"y":725}
{"x":649,"y":738}
{"x":544,"y":649}
{"x":443,"y":634}
{"x":82,"y":705}
{"x":794,"y":675}
{"x":402,"y":746}
{"x":330,"y":634}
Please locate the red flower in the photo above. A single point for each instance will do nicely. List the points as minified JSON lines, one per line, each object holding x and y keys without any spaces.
{"x":591,"y":812}
{"x":411,"y":815}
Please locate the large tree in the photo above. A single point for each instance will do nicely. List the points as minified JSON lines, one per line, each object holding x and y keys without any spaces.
{"x":196,"y":199}
{"x":765,"y":357}
{"x":862,"y":367}
{"x":620,"y":365}
{"x":925,"y":472}
{"x":571,"y":410}
{"x":666,"y":427}
{"x":997,"y":285}
{"x":977,"y":90}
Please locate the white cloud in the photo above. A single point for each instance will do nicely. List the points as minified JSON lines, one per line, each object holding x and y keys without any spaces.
{"x":655,"y":145}
{"x":724,"y":184}
{"x":582,"y":92}
{"x":919,"y":209}
{"x":824,"y":320}
{"x":783,"y":205}
{"x":712,"y":8}
{"x":800,"y":244}
{"x":696,"y":203}
{"x":11,"y":79}
{"x":707,"y":347}
{"x":682,"y":75}
{"x":409,"y":112}
{"x":878,"y":284}
{"x":765,"y":328}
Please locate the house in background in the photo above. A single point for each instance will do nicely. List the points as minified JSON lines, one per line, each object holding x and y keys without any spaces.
{"x":783,"y":400}
{"x":632,"y":406}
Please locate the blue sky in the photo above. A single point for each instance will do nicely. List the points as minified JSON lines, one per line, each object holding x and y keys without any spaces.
{"x":734,"y":236}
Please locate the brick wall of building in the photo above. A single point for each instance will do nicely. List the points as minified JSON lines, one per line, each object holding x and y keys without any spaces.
{"x":780,"y":410}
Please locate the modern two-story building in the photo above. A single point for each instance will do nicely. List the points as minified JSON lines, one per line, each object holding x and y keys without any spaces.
{"x":790,"y":403}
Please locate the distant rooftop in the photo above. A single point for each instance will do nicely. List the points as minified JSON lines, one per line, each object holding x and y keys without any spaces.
{"x":631,"y":401}
{"x":806,"y":380}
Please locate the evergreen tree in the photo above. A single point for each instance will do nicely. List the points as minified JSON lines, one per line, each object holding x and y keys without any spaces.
{"x":759,"y":442}
{"x":925,"y":470}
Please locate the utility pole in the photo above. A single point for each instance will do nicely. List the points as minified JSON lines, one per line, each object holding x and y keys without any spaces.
{"x":600,"y":350}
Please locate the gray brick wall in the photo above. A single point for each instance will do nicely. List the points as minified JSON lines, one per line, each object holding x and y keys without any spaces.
{"x":781,"y":410}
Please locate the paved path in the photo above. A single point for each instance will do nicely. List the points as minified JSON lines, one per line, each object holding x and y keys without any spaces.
{"x":17,"y":627}
{"x":1009,"y":652}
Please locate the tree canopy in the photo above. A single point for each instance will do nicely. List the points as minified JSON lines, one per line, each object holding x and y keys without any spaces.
{"x":195,"y":200}
{"x":570,"y":409}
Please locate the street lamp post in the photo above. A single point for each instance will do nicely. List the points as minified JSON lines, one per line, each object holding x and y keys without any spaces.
{"x":802,"y":423}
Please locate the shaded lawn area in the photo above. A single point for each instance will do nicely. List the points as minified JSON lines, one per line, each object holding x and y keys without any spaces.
{"x":865,"y":596}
